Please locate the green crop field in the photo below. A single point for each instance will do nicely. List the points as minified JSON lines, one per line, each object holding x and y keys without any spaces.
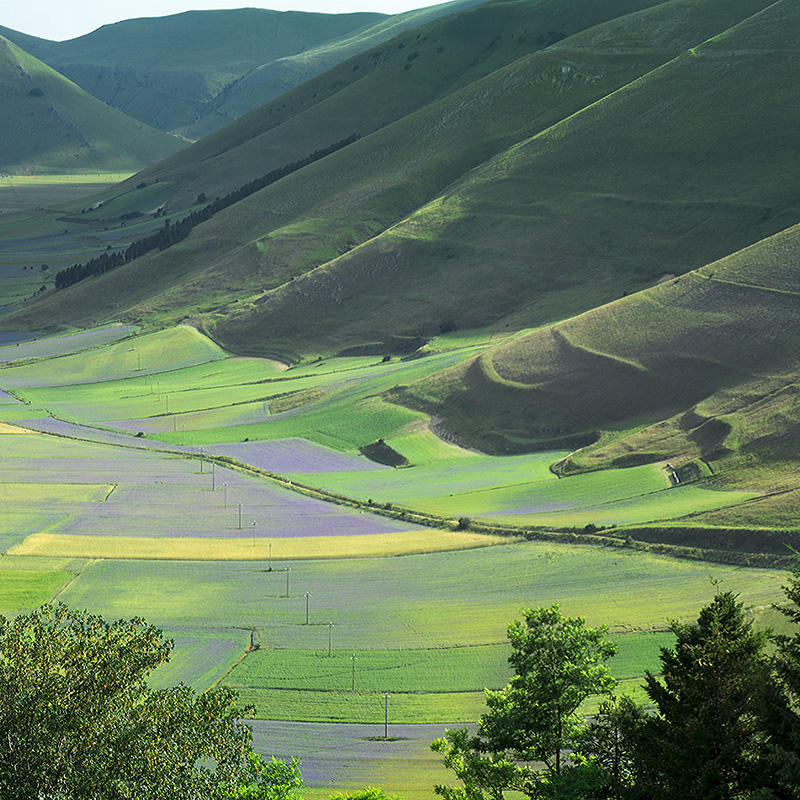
{"x":428,"y":629}
{"x":131,"y":525}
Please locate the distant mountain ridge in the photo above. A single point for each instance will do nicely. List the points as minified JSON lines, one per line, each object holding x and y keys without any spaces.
{"x":194,"y":72}
{"x":51,"y":125}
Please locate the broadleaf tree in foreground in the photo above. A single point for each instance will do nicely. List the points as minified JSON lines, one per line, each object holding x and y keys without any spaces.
{"x":558,"y":662}
{"x":78,"y":719}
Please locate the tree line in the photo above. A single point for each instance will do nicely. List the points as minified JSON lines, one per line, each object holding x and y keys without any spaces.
{"x":171,"y":234}
{"x":723,"y":724}
{"x":79,"y":721}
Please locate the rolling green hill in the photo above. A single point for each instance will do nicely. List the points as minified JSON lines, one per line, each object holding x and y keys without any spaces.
{"x":315,"y":215}
{"x":51,"y":125}
{"x":675,"y":169}
{"x":194,"y":72}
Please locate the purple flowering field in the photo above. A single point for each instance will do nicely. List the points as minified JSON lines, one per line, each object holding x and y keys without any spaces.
{"x":161,"y":495}
{"x":293,"y":455}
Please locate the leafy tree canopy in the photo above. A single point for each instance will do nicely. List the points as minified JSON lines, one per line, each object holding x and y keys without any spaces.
{"x":558,"y":663}
{"x":79,"y":721}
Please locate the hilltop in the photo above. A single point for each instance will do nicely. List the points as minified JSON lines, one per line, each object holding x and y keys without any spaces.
{"x":51,"y":125}
{"x":194,"y":72}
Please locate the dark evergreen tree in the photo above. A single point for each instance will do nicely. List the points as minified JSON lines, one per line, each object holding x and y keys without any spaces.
{"x":723,"y":719}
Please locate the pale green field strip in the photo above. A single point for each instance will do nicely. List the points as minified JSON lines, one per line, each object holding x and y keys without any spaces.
{"x":377,"y":545}
{"x":229,"y":394}
{"x":450,"y":599}
{"x":26,"y":494}
{"x":462,"y":669}
{"x":439,"y":487}
{"x":422,"y":447}
{"x":346,"y":706}
{"x":342,"y":426}
{"x":664,"y":505}
{"x":12,"y":412}
{"x":166,"y":350}
{"x":22,"y":590}
{"x":520,"y":490}
{"x":404,"y":707}
{"x":200,"y":657}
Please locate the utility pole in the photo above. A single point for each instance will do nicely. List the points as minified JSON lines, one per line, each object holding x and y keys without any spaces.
{"x":308,"y":594}
{"x":254,"y":532}
{"x":353,"y":682}
{"x":386,"y":715}
{"x":240,"y":516}
{"x":330,"y":628}
{"x":288,"y":570}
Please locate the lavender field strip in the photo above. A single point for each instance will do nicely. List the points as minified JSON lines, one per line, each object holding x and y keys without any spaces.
{"x":62,"y":345}
{"x":295,"y":456}
{"x":348,"y":757}
{"x":241,"y":548}
{"x":200,"y":657}
{"x":12,"y":430}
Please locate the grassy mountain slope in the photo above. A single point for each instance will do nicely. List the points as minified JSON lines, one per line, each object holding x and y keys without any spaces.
{"x":312,"y":216}
{"x":664,"y":175}
{"x":380,"y":87}
{"x":194,"y":72}
{"x":51,"y":125}
{"x":639,"y":359}
{"x":612,"y":172}
{"x":280,"y":75}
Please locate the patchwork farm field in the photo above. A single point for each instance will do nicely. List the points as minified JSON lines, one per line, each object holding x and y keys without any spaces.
{"x":427,"y":629}
{"x":226,"y":500}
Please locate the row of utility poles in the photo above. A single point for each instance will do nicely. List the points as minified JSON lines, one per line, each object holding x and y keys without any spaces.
{"x":288,"y":570}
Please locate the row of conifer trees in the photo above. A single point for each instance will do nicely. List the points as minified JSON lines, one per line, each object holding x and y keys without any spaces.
{"x":171,"y":234}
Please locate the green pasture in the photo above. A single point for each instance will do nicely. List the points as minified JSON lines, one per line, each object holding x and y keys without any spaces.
{"x":178,"y":386}
{"x":461,"y":669}
{"x":26,"y":583}
{"x":454,"y":599}
{"x":666,"y":504}
{"x":166,"y":350}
